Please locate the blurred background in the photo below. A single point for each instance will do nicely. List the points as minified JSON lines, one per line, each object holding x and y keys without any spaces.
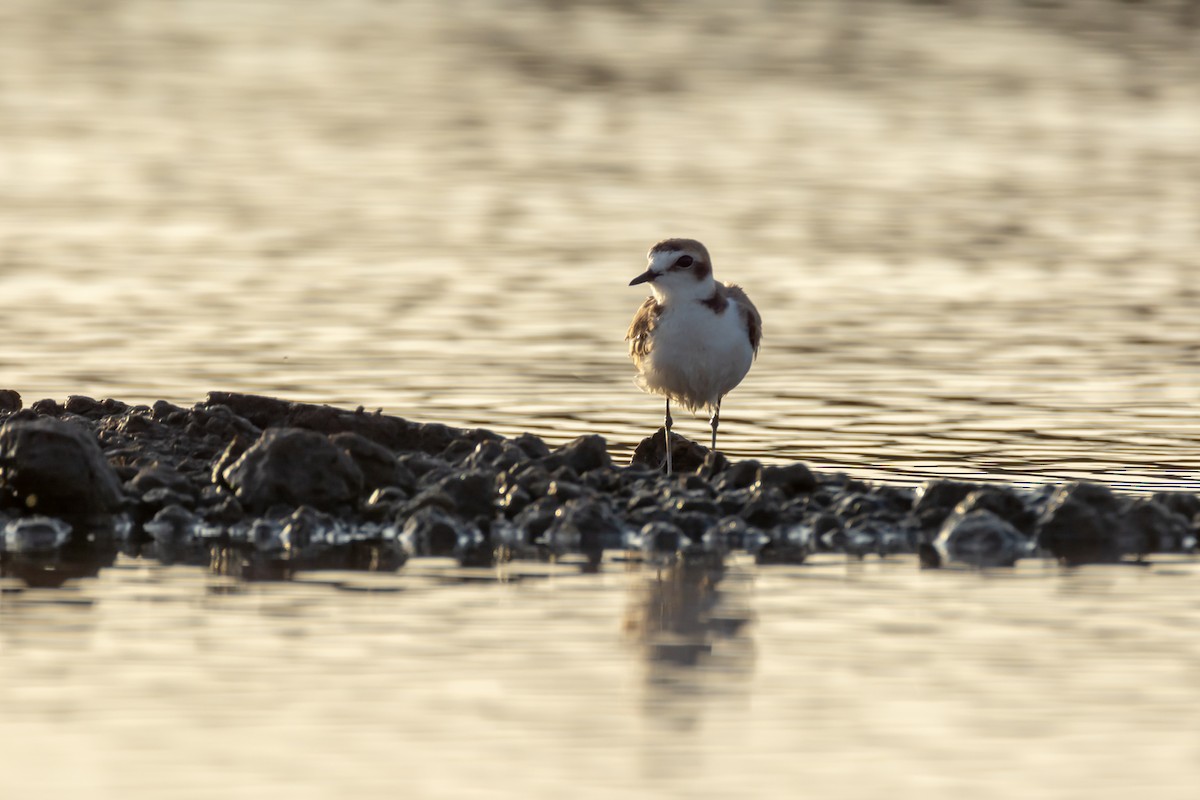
{"x":971,"y":226}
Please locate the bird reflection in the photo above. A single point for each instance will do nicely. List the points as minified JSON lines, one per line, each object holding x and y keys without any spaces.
{"x":691,"y":620}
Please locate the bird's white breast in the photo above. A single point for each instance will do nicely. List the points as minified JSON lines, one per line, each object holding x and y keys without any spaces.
{"x":697,"y":356}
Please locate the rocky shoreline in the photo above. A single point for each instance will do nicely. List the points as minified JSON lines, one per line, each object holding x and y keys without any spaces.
{"x":260,"y":488}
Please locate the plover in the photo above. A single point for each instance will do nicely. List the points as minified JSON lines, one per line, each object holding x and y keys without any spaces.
{"x":694,"y":339}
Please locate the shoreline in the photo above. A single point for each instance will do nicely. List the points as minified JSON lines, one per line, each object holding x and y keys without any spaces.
{"x":261,"y":488}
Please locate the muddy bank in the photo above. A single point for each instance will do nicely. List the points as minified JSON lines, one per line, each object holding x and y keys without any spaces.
{"x":261,"y":487}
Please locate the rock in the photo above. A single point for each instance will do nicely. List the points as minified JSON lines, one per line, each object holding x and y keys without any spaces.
{"x":467,"y":495}
{"x":293,"y":467}
{"x":160,"y":476}
{"x":660,"y":539}
{"x":57,"y":468}
{"x":686,"y":455}
{"x":1005,"y":503}
{"x":978,"y":538}
{"x":395,"y":433}
{"x":1152,"y":527}
{"x":739,"y":475}
{"x":792,"y":479}
{"x":1082,"y":523}
{"x":533,"y":446}
{"x":379,"y":465}
{"x":789,"y":545}
{"x":935,"y":500}
{"x":583,"y":454}
{"x":585,"y":526}
{"x":433,"y":532}
{"x":36,"y":535}
{"x":10,"y":401}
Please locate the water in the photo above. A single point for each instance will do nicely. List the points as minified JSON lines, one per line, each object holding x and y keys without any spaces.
{"x":971,"y":262}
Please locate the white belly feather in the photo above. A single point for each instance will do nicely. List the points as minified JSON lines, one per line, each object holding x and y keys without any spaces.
{"x":696,"y":356}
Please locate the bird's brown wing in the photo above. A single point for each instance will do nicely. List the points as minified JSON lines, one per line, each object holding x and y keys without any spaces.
{"x":749,"y":314}
{"x":643,"y":323}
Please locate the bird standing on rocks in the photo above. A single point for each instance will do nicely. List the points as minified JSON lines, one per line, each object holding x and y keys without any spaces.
{"x":694,"y":339}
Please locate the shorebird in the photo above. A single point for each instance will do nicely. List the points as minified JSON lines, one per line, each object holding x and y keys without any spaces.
{"x":694,"y":339}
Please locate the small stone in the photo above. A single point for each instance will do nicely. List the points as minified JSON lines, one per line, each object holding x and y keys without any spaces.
{"x":433,"y":532}
{"x":686,"y":455}
{"x":467,"y":495}
{"x":791,"y":479}
{"x":979,"y":538}
{"x":533,"y":446}
{"x":585,"y":526}
{"x":10,"y":401}
{"x":1153,"y":528}
{"x":584,"y":454}
{"x":35,"y":535}
{"x":377,"y":464}
{"x":1082,"y":524}
{"x":293,"y":467}
{"x":739,"y":475}
{"x":1004,"y":503}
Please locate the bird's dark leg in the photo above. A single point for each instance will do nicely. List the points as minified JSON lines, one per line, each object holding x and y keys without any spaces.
{"x":667,"y":435}
{"x":715,"y":421}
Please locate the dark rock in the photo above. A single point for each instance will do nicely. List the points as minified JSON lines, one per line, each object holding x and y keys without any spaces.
{"x":1151,"y":527}
{"x":536,"y":518}
{"x":433,"y":532}
{"x":791,"y":479}
{"x":1082,"y":523}
{"x":385,"y":503}
{"x":739,"y":475}
{"x":532,"y":446}
{"x":583,"y":454}
{"x":84,"y":407}
{"x":465,"y":494}
{"x":686,"y":455}
{"x":160,"y":476}
{"x":1005,"y":503}
{"x":293,"y":467}
{"x":660,"y":538}
{"x":233,"y":451}
{"x":378,"y":465}
{"x":1182,"y":503}
{"x":978,"y":538}
{"x":562,"y":491}
{"x":225,"y":511}
{"x":47,"y":408}
{"x":395,"y":433}
{"x":585,"y":526}
{"x":694,"y":525}
{"x":715,"y":462}
{"x":422,"y":464}
{"x":10,"y":401}
{"x":56,"y":468}
{"x":935,"y":500}
{"x":173,"y":530}
{"x":35,"y":535}
{"x":785,"y":546}
{"x":732,"y":533}
{"x":162,"y":497}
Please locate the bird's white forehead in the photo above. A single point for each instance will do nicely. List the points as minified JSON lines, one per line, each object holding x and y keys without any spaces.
{"x":661,"y":260}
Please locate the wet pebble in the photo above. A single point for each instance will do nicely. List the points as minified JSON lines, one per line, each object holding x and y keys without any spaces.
{"x":293,"y":467}
{"x":977,"y":538}
{"x":1082,"y":524}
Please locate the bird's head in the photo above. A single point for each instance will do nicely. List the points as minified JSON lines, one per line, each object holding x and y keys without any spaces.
{"x":679,"y":269}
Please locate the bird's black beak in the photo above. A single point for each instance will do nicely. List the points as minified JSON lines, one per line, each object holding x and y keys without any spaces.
{"x":645,"y":277}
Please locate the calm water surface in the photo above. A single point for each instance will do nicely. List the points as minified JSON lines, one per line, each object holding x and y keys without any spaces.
{"x":970,"y":264}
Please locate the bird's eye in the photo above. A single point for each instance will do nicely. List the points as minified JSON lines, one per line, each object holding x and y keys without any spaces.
{"x":684,"y":262}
